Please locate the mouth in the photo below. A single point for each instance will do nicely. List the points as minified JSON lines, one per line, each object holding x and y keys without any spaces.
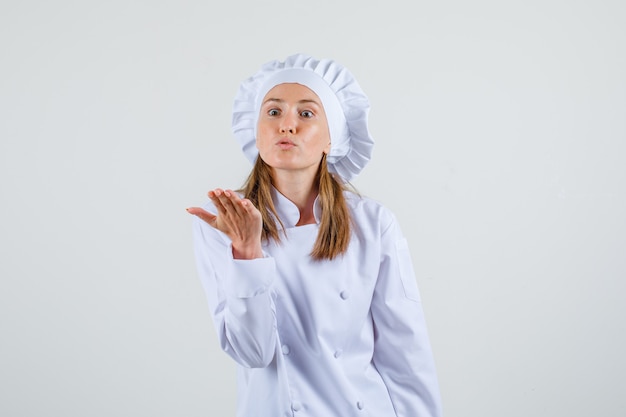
{"x":285,"y":144}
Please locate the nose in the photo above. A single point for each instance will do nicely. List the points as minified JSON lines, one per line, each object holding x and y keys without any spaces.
{"x":288,"y":125}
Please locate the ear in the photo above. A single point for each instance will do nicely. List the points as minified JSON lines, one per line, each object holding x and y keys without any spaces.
{"x":327,"y":149}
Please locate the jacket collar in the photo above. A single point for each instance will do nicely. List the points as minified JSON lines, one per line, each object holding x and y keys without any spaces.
{"x":289,"y":213}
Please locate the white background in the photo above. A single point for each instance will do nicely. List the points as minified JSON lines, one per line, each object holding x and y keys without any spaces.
{"x":500,"y":134}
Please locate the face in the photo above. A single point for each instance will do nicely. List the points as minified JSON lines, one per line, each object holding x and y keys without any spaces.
{"x":292,"y":132}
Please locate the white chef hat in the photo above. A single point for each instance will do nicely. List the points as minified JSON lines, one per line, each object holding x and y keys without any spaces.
{"x":345,"y":104}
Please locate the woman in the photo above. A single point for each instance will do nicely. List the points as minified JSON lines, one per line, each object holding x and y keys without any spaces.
{"x":310,"y":285}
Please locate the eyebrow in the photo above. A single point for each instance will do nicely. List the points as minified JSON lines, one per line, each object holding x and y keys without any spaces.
{"x":278,"y":100}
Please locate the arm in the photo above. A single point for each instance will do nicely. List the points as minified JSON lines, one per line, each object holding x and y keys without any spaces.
{"x":402,"y":352}
{"x":238,"y":291}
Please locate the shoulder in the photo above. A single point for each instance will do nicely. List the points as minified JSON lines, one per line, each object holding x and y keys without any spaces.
{"x":369,"y":211}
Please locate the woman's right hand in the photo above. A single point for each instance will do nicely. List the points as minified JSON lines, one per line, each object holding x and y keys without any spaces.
{"x":238,"y":219}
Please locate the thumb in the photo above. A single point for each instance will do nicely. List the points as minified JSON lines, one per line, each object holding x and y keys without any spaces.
{"x":202,"y":214}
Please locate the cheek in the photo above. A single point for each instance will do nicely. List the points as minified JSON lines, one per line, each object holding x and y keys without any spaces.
{"x":324,"y":139}
{"x":261,"y":135}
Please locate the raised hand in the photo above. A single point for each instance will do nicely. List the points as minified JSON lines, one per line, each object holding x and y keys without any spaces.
{"x":238,"y":219}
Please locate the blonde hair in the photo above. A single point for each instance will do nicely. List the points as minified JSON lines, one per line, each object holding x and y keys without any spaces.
{"x":335,"y":229}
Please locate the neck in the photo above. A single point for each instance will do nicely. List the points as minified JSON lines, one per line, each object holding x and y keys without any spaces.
{"x":301,"y":190}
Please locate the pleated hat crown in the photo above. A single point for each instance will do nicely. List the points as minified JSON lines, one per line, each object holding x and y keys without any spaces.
{"x":345,"y":104}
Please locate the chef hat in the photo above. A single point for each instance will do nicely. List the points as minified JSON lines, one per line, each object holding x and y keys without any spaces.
{"x":345,"y":104}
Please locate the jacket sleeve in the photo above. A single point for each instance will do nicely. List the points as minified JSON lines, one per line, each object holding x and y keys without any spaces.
{"x":402,"y":352}
{"x":239,"y":296}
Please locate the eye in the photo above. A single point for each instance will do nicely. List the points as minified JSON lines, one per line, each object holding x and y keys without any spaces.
{"x":273,"y":112}
{"x":307,"y":114}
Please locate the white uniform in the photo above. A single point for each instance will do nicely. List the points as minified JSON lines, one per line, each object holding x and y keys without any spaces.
{"x":334,"y":338}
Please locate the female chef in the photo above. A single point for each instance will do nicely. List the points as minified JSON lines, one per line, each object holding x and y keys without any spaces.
{"x":310,"y":285}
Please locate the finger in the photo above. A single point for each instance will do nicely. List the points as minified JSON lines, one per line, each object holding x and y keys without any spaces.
{"x":216,"y":192}
{"x":236,"y":202}
{"x":229,"y":205}
{"x":202,"y":214}
{"x":215,"y":196}
{"x":194,"y":210}
{"x":230,"y":202}
{"x":248,"y":206}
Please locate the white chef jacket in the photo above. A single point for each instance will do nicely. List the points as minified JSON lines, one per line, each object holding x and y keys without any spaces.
{"x":336,"y":338}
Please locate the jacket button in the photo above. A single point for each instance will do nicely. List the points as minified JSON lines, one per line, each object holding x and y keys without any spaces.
{"x":295,"y":406}
{"x":286,"y":349}
{"x":360,"y":405}
{"x":338,"y":353}
{"x":344,"y":294}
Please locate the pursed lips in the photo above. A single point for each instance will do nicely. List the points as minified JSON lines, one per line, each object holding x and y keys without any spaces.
{"x":285,"y":144}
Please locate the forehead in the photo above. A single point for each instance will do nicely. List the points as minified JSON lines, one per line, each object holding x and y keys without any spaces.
{"x":292,"y":92}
